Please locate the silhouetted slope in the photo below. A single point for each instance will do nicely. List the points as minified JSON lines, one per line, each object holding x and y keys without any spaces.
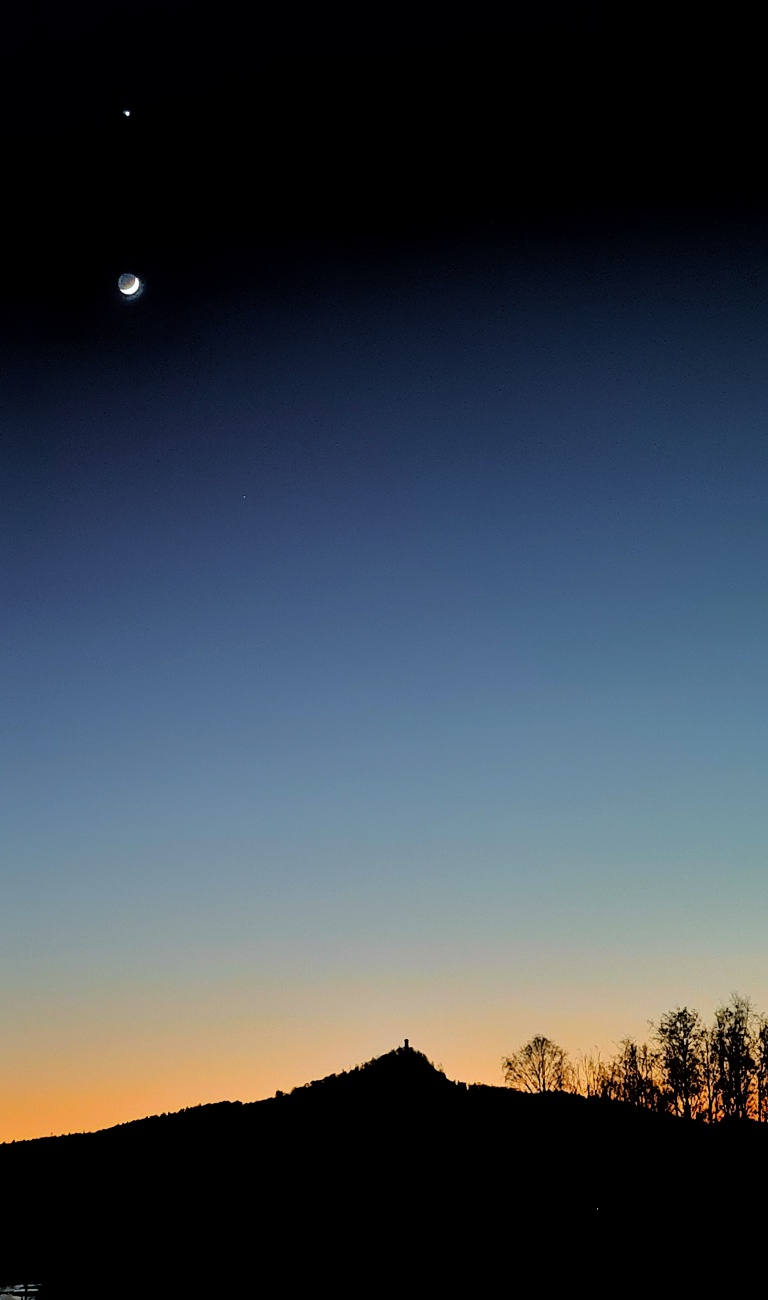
{"x":367,"y":1170}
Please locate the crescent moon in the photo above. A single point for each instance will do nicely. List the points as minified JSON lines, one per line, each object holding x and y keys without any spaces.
{"x":129,"y":284}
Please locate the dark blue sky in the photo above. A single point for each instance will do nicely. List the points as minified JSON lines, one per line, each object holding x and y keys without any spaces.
{"x":384,"y":634}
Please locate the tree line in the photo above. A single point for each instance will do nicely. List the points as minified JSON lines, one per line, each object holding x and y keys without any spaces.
{"x":689,"y":1068}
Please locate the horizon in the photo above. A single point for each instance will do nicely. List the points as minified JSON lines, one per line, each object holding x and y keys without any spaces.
{"x":606,"y":1055}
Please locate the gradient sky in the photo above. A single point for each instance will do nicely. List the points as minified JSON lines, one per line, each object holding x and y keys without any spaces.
{"x":384,"y":655}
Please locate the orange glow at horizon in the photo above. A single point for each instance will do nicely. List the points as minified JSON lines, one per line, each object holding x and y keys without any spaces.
{"x":122,"y":1058}
{"x":33,"y":1107}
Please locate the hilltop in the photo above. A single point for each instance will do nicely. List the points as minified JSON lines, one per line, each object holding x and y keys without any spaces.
{"x":360,"y":1170}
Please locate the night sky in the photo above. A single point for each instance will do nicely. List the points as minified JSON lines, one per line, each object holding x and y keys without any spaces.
{"x":384,"y":621}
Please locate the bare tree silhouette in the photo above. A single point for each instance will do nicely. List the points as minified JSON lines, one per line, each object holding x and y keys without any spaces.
{"x":539,"y":1066}
{"x":761,"y":1069}
{"x":709,"y":1073}
{"x":590,"y":1074}
{"x":679,"y":1036}
{"x":734,"y":1044}
{"x":634,"y":1076}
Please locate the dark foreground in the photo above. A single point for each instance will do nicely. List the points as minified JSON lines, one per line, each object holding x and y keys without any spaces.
{"x":388,"y":1172}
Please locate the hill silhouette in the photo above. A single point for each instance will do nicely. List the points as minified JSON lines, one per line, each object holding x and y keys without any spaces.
{"x":387,"y":1167}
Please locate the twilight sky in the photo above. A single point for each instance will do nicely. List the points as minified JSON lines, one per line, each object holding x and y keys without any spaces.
{"x":384,"y":639}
